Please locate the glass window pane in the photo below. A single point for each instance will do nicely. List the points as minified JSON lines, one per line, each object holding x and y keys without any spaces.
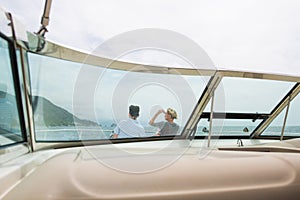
{"x":10,"y":131}
{"x":52,"y":84}
{"x":292,"y":127}
{"x":74,"y":101}
{"x":227,"y":127}
{"x":245,"y":95}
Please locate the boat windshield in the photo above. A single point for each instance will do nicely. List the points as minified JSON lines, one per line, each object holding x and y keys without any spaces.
{"x":74,"y":101}
{"x":243,"y":104}
{"x":292,"y":127}
{"x":10,"y":128}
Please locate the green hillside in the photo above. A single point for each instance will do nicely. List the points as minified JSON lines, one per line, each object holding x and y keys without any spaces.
{"x":48,"y":114}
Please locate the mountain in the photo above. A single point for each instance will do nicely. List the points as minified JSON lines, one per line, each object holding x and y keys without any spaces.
{"x":48,"y":114}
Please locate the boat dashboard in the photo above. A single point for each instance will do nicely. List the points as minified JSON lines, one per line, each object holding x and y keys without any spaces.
{"x":149,"y":171}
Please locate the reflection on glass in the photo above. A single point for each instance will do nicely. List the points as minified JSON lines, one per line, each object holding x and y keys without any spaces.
{"x":10,"y":131}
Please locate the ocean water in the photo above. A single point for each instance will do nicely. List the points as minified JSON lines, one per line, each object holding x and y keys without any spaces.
{"x":288,"y":131}
{"x":239,"y":130}
{"x":71,"y":133}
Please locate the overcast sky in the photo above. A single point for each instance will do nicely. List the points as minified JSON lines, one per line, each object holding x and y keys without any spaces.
{"x":248,"y":34}
{"x":234,"y":33}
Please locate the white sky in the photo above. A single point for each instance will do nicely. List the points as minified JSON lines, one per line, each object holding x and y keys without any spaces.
{"x":252,"y":34}
{"x":235,"y":33}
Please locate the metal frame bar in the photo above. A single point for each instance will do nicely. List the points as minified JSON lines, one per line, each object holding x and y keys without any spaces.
{"x":45,"y":19}
{"x":27,"y":96}
{"x":285,"y":118}
{"x":200,"y":106}
{"x":56,"y":51}
{"x":211,"y":117}
{"x":16,"y":82}
{"x":60,"y":52}
{"x":253,"y":116}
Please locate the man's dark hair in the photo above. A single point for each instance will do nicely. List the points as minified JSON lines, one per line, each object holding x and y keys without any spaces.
{"x":134,"y":111}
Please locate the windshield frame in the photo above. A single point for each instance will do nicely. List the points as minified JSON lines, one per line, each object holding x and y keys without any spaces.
{"x":188,"y":132}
